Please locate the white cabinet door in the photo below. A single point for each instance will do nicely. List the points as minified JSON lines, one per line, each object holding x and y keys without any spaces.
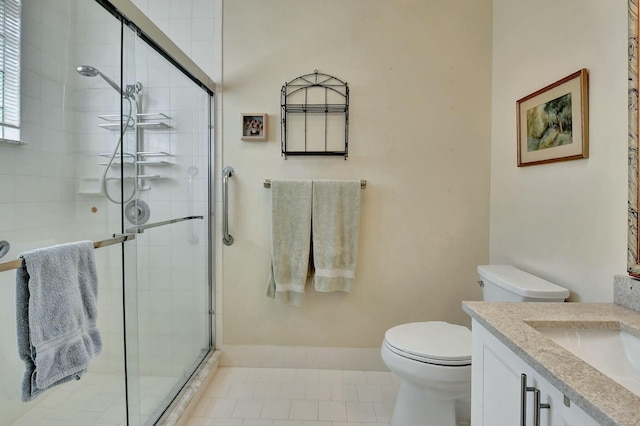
{"x":495,"y":382}
{"x":496,"y":386}
{"x":500,"y":399}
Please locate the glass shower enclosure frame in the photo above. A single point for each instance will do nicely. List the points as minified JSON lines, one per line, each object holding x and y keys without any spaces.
{"x":119,"y":142}
{"x":165,"y":312}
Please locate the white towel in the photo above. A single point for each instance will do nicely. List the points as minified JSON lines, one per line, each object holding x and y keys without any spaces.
{"x":56,"y":309}
{"x":290,"y":240}
{"x":335,"y":223}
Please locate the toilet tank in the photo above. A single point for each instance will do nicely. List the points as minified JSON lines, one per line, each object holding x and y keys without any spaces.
{"x":504,"y":283}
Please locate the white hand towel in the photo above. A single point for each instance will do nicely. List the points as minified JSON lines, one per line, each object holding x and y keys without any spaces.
{"x":56,"y":313}
{"x":335,"y":224}
{"x":290,"y":240}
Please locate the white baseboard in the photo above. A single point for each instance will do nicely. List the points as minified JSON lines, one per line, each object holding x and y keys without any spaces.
{"x":364,"y":359}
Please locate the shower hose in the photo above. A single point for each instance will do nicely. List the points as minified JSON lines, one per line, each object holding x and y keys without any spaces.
{"x":113,"y":156}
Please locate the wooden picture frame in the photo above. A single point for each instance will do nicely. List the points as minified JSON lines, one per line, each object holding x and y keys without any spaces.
{"x":254,"y":127}
{"x":553,"y":122}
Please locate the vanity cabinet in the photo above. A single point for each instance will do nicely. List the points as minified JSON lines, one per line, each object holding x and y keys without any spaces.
{"x":501,"y":382}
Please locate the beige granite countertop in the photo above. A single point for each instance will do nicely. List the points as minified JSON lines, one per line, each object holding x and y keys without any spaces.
{"x":605,"y":400}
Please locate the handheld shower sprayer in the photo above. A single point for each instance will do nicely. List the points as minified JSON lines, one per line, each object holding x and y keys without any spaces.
{"x":129,"y":94}
{"x":130,"y":89}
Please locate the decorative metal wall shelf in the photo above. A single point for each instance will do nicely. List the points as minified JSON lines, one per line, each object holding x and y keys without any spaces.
{"x":315,"y":116}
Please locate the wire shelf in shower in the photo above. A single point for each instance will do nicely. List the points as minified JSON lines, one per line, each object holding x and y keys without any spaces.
{"x":117,"y":162}
{"x":140,"y":154}
{"x":153,"y":153}
{"x":130,"y":159}
{"x":149,"y":177}
{"x":12,"y":142}
{"x":151,"y":121}
{"x":141,"y":125}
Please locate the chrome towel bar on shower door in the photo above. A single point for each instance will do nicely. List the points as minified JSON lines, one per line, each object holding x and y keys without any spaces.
{"x":117,"y":239}
{"x":140,"y":229}
{"x":227,"y":172}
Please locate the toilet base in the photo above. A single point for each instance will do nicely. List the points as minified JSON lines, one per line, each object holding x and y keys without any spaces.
{"x":415,"y":406}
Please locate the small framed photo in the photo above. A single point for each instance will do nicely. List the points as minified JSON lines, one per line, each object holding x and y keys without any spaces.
{"x":553,"y":123}
{"x":254,"y":127}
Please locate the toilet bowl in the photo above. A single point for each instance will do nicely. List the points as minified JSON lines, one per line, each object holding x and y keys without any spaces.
{"x":433,"y":359}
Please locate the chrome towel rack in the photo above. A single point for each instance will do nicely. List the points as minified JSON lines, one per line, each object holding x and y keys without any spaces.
{"x":267,"y":183}
{"x":117,"y":239}
{"x":140,"y":229}
{"x":227,"y":172}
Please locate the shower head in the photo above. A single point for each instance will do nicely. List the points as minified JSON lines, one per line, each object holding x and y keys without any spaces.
{"x":89,"y":71}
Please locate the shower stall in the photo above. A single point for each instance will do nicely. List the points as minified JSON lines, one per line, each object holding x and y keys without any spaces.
{"x":115,"y":140}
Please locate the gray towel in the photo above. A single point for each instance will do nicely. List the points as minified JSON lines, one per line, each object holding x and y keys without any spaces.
{"x":290,"y":240}
{"x":335,"y":223}
{"x":56,"y":310}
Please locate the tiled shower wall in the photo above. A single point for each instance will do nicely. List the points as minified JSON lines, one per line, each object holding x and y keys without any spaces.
{"x":37,"y":180}
{"x":46,"y":184}
{"x":171,"y":261}
{"x":196,"y":27}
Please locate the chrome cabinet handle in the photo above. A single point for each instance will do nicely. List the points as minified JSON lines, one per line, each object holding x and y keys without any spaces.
{"x":537,"y":405}
{"x":523,"y":399}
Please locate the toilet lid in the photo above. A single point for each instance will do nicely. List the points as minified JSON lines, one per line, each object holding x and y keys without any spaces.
{"x":437,"y":342}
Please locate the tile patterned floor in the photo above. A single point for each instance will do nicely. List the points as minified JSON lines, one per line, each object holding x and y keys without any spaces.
{"x":296,"y":397}
{"x":95,"y":399}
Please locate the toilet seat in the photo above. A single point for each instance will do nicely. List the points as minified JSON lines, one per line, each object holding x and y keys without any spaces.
{"x":434,"y":342}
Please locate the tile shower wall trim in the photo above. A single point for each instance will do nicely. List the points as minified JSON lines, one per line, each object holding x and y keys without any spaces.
{"x":302,"y":357}
{"x":626,"y":292}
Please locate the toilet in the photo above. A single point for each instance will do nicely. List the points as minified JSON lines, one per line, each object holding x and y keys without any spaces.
{"x":433,"y":359}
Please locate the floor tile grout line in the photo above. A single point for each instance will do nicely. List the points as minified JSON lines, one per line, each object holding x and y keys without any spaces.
{"x":375,"y":393}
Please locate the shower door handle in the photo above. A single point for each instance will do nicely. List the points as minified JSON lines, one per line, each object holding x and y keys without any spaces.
{"x":227,"y":172}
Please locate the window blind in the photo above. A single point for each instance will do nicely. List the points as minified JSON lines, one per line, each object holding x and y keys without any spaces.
{"x":10,"y":66}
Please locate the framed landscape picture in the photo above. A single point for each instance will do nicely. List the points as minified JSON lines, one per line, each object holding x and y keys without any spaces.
{"x":553,"y":123}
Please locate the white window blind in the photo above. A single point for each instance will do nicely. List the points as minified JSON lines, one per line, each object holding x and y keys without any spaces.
{"x":10,"y":68}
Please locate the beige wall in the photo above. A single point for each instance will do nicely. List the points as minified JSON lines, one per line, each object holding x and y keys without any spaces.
{"x":420,"y":79}
{"x":563,"y":221}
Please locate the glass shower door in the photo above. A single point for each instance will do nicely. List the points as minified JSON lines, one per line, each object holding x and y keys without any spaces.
{"x":167,"y":279}
{"x":117,"y":140}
